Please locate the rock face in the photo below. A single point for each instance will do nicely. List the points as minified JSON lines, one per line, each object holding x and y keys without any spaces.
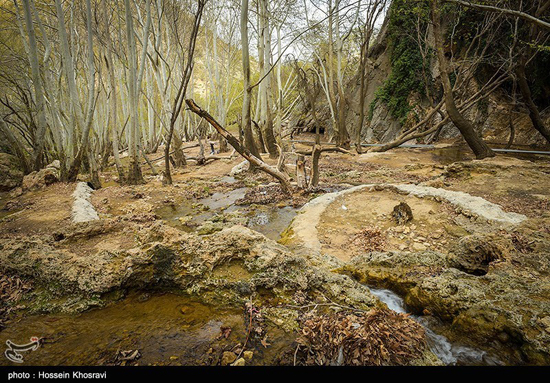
{"x":10,"y":172}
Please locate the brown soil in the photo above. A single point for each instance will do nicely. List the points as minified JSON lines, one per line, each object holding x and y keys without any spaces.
{"x":433,"y":226}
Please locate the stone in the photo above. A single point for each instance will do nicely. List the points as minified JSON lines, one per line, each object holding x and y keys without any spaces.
{"x":239,"y":362}
{"x":455,"y":231}
{"x":473,"y":254}
{"x":248,"y":355}
{"x":240,"y":168}
{"x":40,"y":179}
{"x":546,"y":323}
{"x":228,"y":357}
{"x":54,"y":165}
{"x":418,"y":247}
{"x":402,"y":213}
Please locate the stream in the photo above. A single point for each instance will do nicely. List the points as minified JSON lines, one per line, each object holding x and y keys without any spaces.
{"x":449,"y":353}
{"x":172,"y":329}
{"x":269,"y":220}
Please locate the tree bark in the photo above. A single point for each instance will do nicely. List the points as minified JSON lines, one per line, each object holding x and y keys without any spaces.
{"x":534,"y":114}
{"x":38,"y":150}
{"x":180,"y":96}
{"x":246,"y":119}
{"x":478,"y":146}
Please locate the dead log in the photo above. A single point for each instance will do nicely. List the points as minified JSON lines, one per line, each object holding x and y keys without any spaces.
{"x":283,"y":178}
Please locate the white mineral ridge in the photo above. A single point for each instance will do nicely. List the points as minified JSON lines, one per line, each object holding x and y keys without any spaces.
{"x":83,"y":210}
{"x":475,"y":205}
{"x":305,"y":223}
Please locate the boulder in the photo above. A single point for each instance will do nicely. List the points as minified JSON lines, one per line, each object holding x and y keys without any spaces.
{"x":402,"y":213}
{"x":228,"y":357}
{"x":473,"y":253}
{"x":40,"y":179}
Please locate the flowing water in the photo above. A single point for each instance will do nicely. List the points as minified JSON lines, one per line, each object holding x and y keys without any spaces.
{"x":449,"y":353}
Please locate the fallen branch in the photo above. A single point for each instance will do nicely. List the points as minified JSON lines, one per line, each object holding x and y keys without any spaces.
{"x":281,"y":177}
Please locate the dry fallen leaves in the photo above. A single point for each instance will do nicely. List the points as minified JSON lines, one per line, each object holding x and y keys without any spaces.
{"x":378,"y":337}
{"x":369,"y":239}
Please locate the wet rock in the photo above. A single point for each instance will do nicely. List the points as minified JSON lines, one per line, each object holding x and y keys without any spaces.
{"x":473,"y":254}
{"x":402,"y":213}
{"x":11,"y":174}
{"x":507,"y":299}
{"x":210,"y":228}
{"x":216,"y":267}
{"x":228,"y":357}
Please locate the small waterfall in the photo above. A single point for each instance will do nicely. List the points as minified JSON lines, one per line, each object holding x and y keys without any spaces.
{"x":448,"y":353}
{"x":391,"y":299}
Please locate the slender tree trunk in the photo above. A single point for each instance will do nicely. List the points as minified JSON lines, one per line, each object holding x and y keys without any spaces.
{"x":534,"y":114}
{"x":478,"y":146}
{"x":246,"y":119}
{"x":265,"y":85}
{"x":134,"y":175}
{"x":16,"y":146}
{"x":38,"y":150}
{"x":87,"y":122}
{"x":113,"y":110}
{"x":182,"y":89}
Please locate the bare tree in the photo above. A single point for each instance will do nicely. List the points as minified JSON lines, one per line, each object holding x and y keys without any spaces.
{"x":478,"y":146}
{"x":182,"y":89}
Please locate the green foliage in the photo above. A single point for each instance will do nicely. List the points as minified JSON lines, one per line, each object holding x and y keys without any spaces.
{"x":406,"y":59}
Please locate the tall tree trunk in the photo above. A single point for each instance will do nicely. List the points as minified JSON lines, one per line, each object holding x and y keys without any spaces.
{"x":38,"y":150}
{"x":134,"y":175}
{"x":265,"y":86}
{"x":85,"y":123}
{"x":182,"y":90}
{"x":534,"y":114}
{"x":113,"y":110}
{"x":246,"y":119}
{"x":466,"y":128}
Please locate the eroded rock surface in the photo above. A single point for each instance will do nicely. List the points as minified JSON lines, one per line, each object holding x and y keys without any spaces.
{"x":504,"y":306}
{"x":491,"y":283}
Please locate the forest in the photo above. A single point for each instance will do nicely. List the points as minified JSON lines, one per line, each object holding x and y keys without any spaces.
{"x":274,"y":183}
